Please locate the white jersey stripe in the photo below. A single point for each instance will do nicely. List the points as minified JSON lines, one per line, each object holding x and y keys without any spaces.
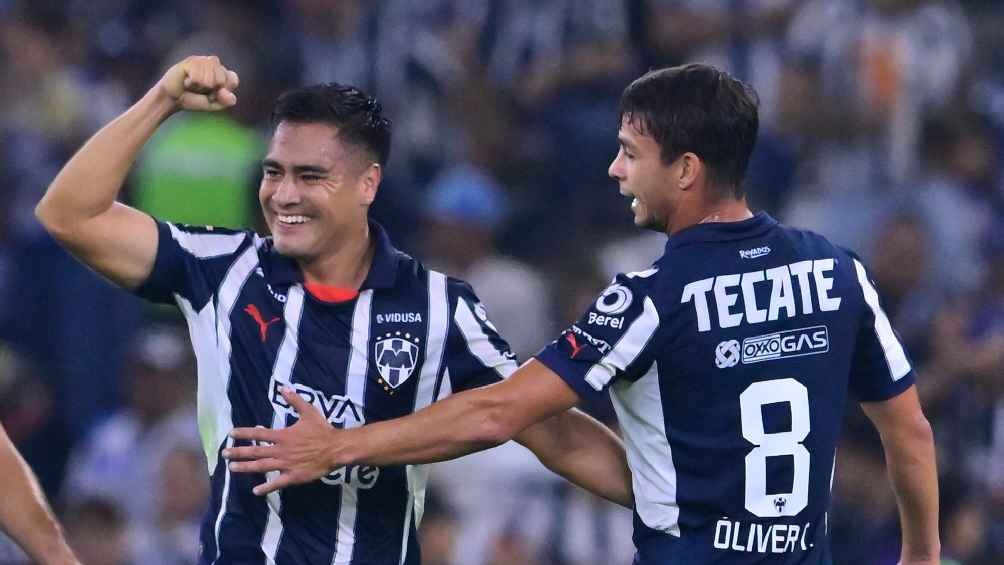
{"x":207,"y":245}
{"x":210,"y":332}
{"x":223,"y":506}
{"x":435,"y":348}
{"x":446,"y":387}
{"x":409,"y":506}
{"x":627,"y":349}
{"x":355,"y":391}
{"x":285,"y":359}
{"x":479,"y":344}
{"x":653,"y":475}
{"x":435,"y":340}
{"x":895,"y":357}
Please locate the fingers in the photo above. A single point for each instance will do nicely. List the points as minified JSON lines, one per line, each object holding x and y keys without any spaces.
{"x":208,"y":84}
{"x":304,"y":408}
{"x":219,"y":76}
{"x":260,"y":466}
{"x":281,"y":482}
{"x":248,"y":452}
{"x":254,"y":434}
{"x":225,"y":98}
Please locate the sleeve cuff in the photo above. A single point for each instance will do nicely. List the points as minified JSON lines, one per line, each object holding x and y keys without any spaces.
{"x":897,"y":388}
{"x":157,"y":287}
{"x":571,"y":373}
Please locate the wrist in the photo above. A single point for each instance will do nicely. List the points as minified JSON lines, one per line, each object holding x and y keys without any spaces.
{"x":343,"y":447}
{"x":158,"y":102}
{"x":930,"y":554}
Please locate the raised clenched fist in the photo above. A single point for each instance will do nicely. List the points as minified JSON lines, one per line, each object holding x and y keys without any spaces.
{"x":201,"y":84}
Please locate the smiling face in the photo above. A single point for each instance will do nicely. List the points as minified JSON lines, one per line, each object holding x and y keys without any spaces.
{"x":315,"y":190}
{"x":641,"y":174}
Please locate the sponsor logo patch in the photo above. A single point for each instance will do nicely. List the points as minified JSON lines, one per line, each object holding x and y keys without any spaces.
{"x":754,"y":252}
{"x":614,"y":300}
{"x":791,"y":343}
{"x":727,"y":354}
{"x":399,"y":318}
{"x":396,"y":356}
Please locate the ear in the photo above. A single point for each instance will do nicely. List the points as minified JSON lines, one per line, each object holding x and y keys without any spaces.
{"x":691,"y":167}
{"x":369,"y":183}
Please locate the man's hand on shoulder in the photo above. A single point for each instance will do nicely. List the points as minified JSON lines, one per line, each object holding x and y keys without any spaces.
{"x":200,"y":83}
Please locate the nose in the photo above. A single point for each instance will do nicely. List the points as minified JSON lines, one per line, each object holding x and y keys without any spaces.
{"x":616,"y":169}
{"x":287,"y":193}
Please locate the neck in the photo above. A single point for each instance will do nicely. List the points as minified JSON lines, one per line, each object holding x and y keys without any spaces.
{"x":728,"y":210}
{"x":347,"y":265}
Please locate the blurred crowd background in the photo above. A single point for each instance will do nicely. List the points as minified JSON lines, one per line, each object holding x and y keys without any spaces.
{"x":882,"y":127}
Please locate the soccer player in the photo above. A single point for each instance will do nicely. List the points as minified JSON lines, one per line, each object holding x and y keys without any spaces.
{"x":728,"y":360}
{"x":25,"y":515}
{"x":326,"y":312}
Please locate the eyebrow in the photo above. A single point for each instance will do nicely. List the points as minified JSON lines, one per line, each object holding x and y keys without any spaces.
{"x":297,"y":169}
{"x":625,"y":142}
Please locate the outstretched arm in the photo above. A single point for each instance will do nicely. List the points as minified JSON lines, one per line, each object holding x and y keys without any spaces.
{"x":79,"y":208}
{"x":909,"y":453}
{"x":464,"y":423}
{"x":25,"y":515}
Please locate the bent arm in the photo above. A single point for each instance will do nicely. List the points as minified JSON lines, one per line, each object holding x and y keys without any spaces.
{"x":910,"y":458}
{"x":24,"y":513}
{"x":466,"y":422}
{"x":79,"y":208}
{"x":583,"y":451}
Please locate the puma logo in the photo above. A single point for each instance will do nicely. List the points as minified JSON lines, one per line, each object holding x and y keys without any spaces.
{"x":570,"y":338}
{"x":255,"y":314}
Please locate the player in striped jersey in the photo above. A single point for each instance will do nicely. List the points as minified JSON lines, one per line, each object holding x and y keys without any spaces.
{"x":325,"y":319}
{"x":728,"y":360}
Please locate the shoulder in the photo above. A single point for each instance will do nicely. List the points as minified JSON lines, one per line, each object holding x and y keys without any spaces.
{"x":209,"y":241}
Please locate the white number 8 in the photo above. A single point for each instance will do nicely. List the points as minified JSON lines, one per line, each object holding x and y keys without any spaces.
{"x":751,"y":403}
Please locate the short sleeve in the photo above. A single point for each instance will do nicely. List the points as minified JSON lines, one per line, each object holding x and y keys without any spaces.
{"x":614,"y":339}
{"x":191,"y":261}
{"x":476,"y":353}
{"x":880,"y":368}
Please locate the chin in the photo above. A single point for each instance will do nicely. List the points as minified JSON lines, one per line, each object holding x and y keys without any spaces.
{"x":287,"y":248}
{"x":649,"y":223}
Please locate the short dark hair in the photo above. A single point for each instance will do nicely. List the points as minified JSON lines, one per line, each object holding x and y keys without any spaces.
{"x":700,"y":109}
{"x":355,"y":113}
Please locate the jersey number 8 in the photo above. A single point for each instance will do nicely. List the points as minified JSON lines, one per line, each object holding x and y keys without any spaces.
{"x":788,"y":443}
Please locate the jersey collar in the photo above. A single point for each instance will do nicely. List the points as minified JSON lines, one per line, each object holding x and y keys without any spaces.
{"x":382,"y":274}
{"x":758,"y":225}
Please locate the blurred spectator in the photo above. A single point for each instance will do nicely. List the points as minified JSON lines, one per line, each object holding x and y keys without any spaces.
{"x":954,"y":196}
{"x":122,"y":457}
{"x":863,"y":522}
{"x":745,"y":37}
{"x":201,"y":167}
{"x":181,"y":492}
{"x":463,"y":210}
{"x":96,"y":529}
{"x":878,"y":67}
{"x":438,"y":530}
{"x":564,"y":64}
{"x":29,"y":413}
{"x":901,"y":257}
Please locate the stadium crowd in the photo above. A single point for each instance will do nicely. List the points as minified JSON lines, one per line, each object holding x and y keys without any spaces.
{"x":882,"y":127}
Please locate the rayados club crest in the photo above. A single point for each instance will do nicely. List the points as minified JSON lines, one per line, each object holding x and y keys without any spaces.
{"x":396,"y":355}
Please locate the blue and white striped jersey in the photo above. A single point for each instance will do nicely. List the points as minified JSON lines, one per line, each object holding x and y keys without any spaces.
{"x":410,"y":337}
{"x":728,"y":363}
